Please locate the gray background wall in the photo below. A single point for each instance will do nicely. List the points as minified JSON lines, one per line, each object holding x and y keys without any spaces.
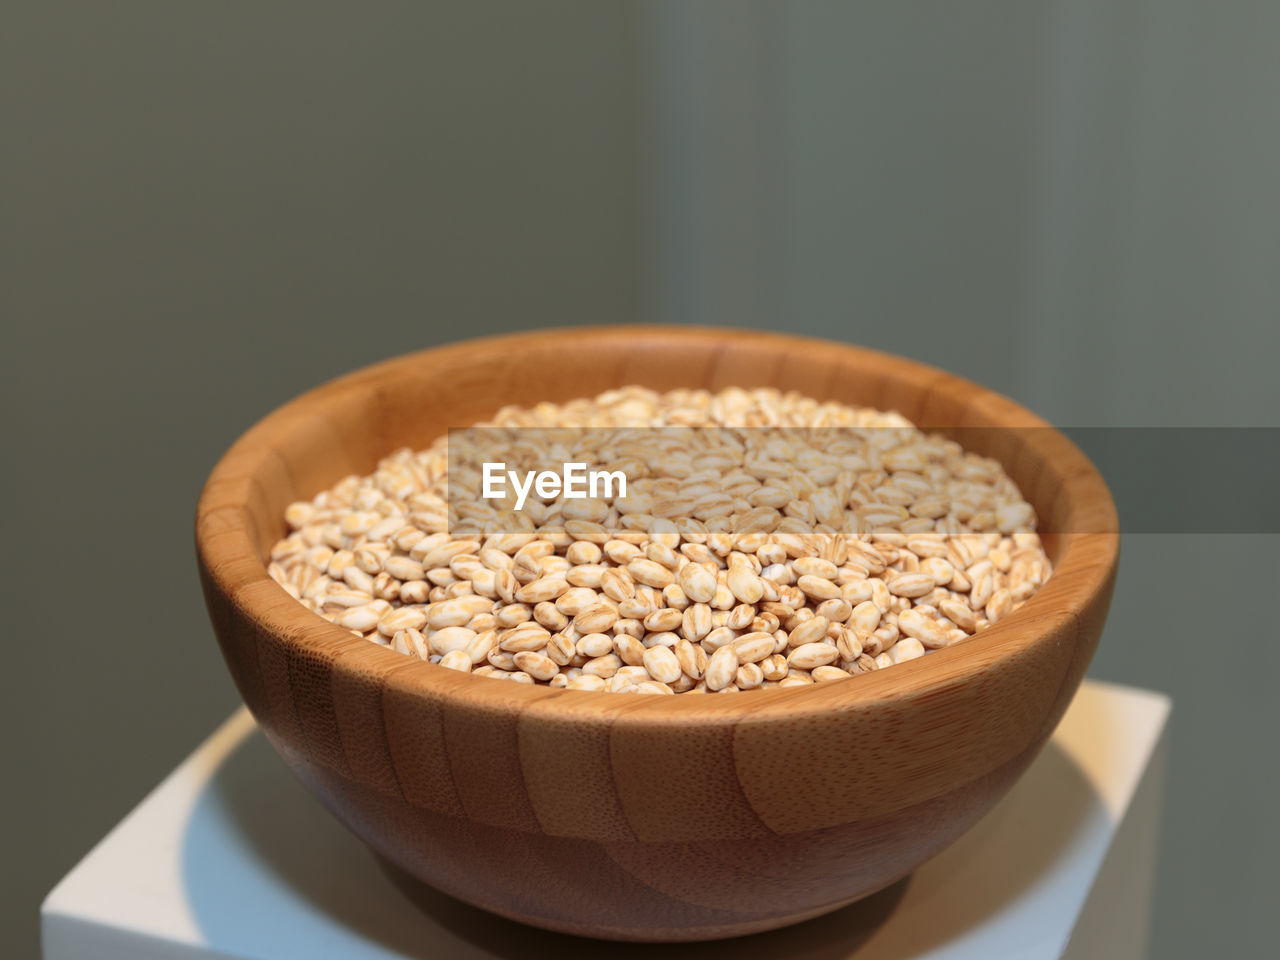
{"x":208,"y":208}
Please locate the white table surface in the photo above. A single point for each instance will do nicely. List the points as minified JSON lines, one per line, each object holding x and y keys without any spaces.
{"x":230,"y":858}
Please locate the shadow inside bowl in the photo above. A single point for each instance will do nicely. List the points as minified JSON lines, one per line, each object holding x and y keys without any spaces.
{"x":269,"y":872}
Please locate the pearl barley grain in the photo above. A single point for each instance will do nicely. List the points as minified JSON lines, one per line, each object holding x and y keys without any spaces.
{"x":746,"y":559}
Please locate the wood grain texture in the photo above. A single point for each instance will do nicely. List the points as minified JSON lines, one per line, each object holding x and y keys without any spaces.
{"x":645,"y":818}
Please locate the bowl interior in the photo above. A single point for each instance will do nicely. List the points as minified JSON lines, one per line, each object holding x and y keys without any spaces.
{"x":345,"y":426}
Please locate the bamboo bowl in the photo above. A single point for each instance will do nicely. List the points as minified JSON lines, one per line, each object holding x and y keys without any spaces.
{"x":645,"y":818}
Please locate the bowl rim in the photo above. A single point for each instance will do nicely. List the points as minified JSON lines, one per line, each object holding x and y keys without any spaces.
{"x":227,"y":554}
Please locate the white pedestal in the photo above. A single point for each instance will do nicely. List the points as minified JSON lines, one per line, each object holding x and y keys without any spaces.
{"x":230,"y":858}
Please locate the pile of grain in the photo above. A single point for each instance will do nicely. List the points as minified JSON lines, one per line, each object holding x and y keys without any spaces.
{"x":798,"y":542}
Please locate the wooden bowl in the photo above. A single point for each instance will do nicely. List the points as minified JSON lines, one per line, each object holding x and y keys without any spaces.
{"x":645,"y":818}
